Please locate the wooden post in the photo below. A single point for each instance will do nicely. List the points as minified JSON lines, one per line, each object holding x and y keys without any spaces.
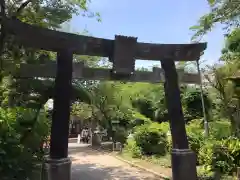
{"x":175,"y":113}
{"x":58,"y":166}
{"x":183,"y":160}
{"x":61,"y":106}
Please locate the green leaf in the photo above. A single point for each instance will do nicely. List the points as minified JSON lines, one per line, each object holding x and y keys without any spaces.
{"x":211,"y":2}
{"x":196,"y":27}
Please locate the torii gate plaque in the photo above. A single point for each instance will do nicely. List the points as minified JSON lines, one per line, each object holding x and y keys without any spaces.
{"x":122,"y":52}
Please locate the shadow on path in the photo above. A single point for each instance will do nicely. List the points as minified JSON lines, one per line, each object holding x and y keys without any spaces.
{"x":94,"y":172}
{"x":87,"y":149}
{"x":89,"y":164}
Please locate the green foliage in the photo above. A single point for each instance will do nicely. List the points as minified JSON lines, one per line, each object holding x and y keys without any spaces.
{"x":145,"y":97}
{"x":206,"y":153}
{"x":195,"y":126}
{"x":151,"y":140}
{"x":19,"y":154}
{"x":193,"y":103}
{"x":138,"y":119}
{"x":226,"y":155}
{"x":221,"y":11}
{"x":233,"y":41}
{"x":82,"y":110}
{"x":222,"y":156}
{"x":205,"y":173}
{"x":32,"y":93}
{"x":164,"y":126}
{"x":214,"y":152}
{"x":195,"y":135}
{"x":132,"y":148}
{"x":120,"y":135}
{"x":217,"y":77}
{"x":195,"y":142}
{"x":220,"y":129}
{"x":144,"y":106}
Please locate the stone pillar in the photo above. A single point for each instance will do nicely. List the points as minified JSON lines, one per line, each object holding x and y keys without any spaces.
{"x":183,"y":159}
{"x":183,"y":164}
{"x":58,"y":165}
{"x":59,"y":169}
{"x":96,"y":141}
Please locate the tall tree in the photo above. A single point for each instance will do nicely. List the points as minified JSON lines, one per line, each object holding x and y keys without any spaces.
{"x":226,"y":12}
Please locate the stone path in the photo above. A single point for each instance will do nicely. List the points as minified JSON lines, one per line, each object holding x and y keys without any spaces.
{"x":88,"y":164}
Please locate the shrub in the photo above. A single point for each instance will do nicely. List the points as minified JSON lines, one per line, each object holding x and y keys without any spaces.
{"x":145,"y":106}
{"x":205,"y":173}
{"x":193,"y":103}
{"x":226,"y":155}
{"x":195,"y":135}
{"x":165,"y":128}
{"x":220,"y":129}
{"x":195,"y":142}
{"x":221,"y":155}
{"x":132,"y":148}
{"x":138,"y":119}
{"x":151,"y":140}
{"x":205,"y":153}
{"x":120,"y":135}
{"x":20,"y":142}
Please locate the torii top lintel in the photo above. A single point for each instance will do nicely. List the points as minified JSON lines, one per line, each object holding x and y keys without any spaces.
{"x":51,"y":40}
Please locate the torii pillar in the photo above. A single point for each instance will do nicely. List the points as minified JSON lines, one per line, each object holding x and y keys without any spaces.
{"x":183,"y":159}
{"x":58,"y":165}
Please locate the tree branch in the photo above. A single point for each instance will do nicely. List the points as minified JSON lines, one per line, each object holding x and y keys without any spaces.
{"x":22,"y":6}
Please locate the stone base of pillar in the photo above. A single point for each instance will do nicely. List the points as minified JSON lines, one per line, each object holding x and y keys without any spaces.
{"x":96,"y":140}
{"x":183,"y":164}
{"x":57,"y":169}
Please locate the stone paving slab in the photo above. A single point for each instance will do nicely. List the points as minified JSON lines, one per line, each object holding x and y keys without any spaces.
{"x":88,"y":164}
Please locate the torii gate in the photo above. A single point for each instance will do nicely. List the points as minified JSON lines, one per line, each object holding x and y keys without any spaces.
{"x":122,"y":52}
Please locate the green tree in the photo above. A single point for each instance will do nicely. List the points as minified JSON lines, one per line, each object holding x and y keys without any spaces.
{"x":225,"y":12}
{"x":44,"y":13}
{"x":193,"y":104}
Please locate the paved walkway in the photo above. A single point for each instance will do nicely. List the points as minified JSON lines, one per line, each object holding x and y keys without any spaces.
{"x":88,"y":164}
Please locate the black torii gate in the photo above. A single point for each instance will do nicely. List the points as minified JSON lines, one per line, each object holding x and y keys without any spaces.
{"x":122,"y":52}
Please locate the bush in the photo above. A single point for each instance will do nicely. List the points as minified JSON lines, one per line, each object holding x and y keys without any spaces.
{"x":205,"y":173}
{"x":20,"y":142}
{"x":221,"y":155}
{"x":145,"y":106}
{"x":226,"y":155}
{"x":195,"y":135}
{"x":164,"y":127}
{"x":138,"y":119}
{"x":205,"y":153}
{"x":120,"y":135}
{"x":132,"y":148}
{"x":220,"y":129}
{"x":195,"y":142}
{"x":193,"y":102}
{"x":151,"y":140}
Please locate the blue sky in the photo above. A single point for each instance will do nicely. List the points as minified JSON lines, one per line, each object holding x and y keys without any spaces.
{"x":157,"y":21}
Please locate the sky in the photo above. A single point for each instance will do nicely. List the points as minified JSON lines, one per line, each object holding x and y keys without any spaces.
{"x":152,"y":21}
